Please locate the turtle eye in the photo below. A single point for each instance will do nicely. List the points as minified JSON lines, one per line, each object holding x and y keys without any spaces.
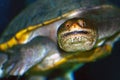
{"x":68,"y":24}
{"x":82,"y":23}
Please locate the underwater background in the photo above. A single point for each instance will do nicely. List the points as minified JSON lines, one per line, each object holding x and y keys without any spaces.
{"x":104,"y":69}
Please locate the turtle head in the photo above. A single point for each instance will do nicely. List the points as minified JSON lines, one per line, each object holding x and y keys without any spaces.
{"x":76,"y":35}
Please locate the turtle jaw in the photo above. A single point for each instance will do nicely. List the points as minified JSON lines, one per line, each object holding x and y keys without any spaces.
{"x":77,"y":41}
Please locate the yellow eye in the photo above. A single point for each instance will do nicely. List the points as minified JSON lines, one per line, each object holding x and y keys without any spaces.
{"x":81,"y":23}
{"x":68,"y":24}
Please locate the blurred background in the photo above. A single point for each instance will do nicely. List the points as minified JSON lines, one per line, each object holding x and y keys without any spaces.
{"x":104,"y":69}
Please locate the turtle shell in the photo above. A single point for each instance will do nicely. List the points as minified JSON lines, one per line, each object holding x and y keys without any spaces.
{"x":41,"y":14}
{"x":42,"y":11}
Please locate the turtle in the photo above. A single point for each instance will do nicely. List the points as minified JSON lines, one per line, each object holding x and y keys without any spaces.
{"x":54,"y":38}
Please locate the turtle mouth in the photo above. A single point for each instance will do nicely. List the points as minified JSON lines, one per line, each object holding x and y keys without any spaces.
{"x":81,"y":40}
{"x":76,"y":32}
{"x":76,"y":38}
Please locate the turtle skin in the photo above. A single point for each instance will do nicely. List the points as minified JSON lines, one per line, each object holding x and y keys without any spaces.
{"x":29,"y":53}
